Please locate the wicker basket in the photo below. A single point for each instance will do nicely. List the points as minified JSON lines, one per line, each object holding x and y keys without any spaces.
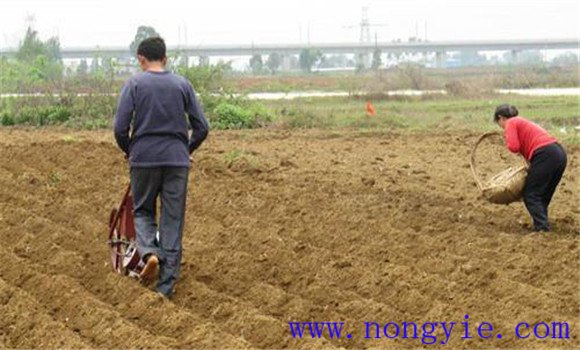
{"x":505,"y":187}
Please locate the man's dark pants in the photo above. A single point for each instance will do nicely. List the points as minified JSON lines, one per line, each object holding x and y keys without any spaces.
{"x":546,"y":168}
{"x":170,"y":184}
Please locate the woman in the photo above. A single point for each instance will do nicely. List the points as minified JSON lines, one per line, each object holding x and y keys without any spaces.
{"x":546,"y":156}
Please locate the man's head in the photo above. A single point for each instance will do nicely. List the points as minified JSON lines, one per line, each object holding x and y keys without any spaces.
{"x":151,"y":51}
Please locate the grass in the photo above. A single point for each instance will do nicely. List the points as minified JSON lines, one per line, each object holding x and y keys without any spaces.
{"x":242,"y":160}
{"x":54,"y":178}
{"x":70,"y":138}
{"x":232,"y":156}
{"x":558,"y":114}
{"x":413,"y":77}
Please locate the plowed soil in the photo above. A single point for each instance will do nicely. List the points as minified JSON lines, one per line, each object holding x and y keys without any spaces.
{"x":281,"y":226}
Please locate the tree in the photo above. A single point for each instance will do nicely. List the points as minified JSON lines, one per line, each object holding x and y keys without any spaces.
{"x":204,"y":61}
{"x":52,"y":47}
{"x":308,"y":58}
{"x":95,"y":65}
{"x":273,"y":62}
{"x":83,"y":68}
{"x":31,"y":47}
{"x":567,"y":59}
{"x":179,"y":59}
{"x":361,"y":62}
{"x":334,"y":61}
{"x":472,"y":58}
{"x":256,"y":64}
{"x":412,"y":75}
{"x":206,"y":79}
{"x":531,"y":57}
{"x":46,"y":70}
{"x":41,"y":61}
{"x":143,"y":32}
{"x":108,"y":66}
{"x":377,"y":61}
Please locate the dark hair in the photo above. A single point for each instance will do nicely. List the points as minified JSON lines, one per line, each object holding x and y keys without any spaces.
{"x":505,"y":110}
{"x":153,"y":49}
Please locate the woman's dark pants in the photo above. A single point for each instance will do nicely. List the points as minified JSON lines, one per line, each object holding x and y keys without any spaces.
{"x":547,"y":166}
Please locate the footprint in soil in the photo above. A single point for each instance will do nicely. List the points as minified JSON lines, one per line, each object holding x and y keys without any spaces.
{"x":368,"y":181}
{"x":288,"y":164}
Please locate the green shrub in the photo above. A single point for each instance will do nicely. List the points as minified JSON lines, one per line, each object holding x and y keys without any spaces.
{"x":57,"y":114}
{"x":304,"y":119}
{"x":225,"y":109}
{"x":38,"y":116}
{"x":6,"y":119}
{"x":260,"y":113}
{"x":94,"y":124}
{"x":230,"y":116}
{"x":239,"y":114}
{"x":206,"y":79}
{"x":41,"y":116}
{"x":27,"y":115}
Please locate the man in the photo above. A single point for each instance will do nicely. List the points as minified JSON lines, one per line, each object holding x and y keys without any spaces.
{"x":153,"y":106}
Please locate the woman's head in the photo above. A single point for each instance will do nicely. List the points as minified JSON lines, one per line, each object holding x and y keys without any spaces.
{"x":504,"y":112}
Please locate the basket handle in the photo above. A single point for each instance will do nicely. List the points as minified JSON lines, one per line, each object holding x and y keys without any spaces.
{"x":472,"y":160}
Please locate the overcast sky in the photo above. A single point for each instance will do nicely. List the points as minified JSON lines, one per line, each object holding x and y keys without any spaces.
{"x":89,"y":23}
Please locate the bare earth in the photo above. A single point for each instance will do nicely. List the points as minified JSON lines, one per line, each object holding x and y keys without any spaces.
{"x":281,"y":226}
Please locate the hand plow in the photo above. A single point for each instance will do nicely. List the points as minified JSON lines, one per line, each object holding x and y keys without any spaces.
{"x":122,"y":239}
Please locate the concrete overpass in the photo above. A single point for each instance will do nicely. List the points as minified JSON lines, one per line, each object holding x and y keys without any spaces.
{"x":439,"y":47}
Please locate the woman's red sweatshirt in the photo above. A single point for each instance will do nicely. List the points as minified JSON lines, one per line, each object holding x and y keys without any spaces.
{"x":525,"y":137}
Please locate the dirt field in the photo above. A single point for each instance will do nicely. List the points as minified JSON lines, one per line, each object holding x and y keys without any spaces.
{"x":281,"y":226}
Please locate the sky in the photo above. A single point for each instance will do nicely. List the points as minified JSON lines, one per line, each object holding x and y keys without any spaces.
{"x":91,"y":23}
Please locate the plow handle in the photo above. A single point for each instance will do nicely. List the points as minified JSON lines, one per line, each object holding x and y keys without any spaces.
{"x":117,"y":216}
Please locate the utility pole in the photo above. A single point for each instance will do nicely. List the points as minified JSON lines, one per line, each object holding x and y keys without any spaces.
{"x":30,"y":21}
{"x":363,"y":56}
{"x":185,"y":55}
{"x":365,"y":26}
{"x":417,"y":30}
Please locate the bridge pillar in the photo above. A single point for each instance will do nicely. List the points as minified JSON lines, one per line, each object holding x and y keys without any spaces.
{"x":286,"y":62}
{"x":514,"y":56}
{"x":363,"y":59}
{"x":204,"y":60}
{"x":439,"y":56}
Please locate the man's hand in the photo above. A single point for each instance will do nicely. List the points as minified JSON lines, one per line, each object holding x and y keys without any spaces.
{"x":190,"y":159}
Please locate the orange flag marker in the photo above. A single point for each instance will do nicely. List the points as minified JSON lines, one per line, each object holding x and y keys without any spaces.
{"x":370,"y":109}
